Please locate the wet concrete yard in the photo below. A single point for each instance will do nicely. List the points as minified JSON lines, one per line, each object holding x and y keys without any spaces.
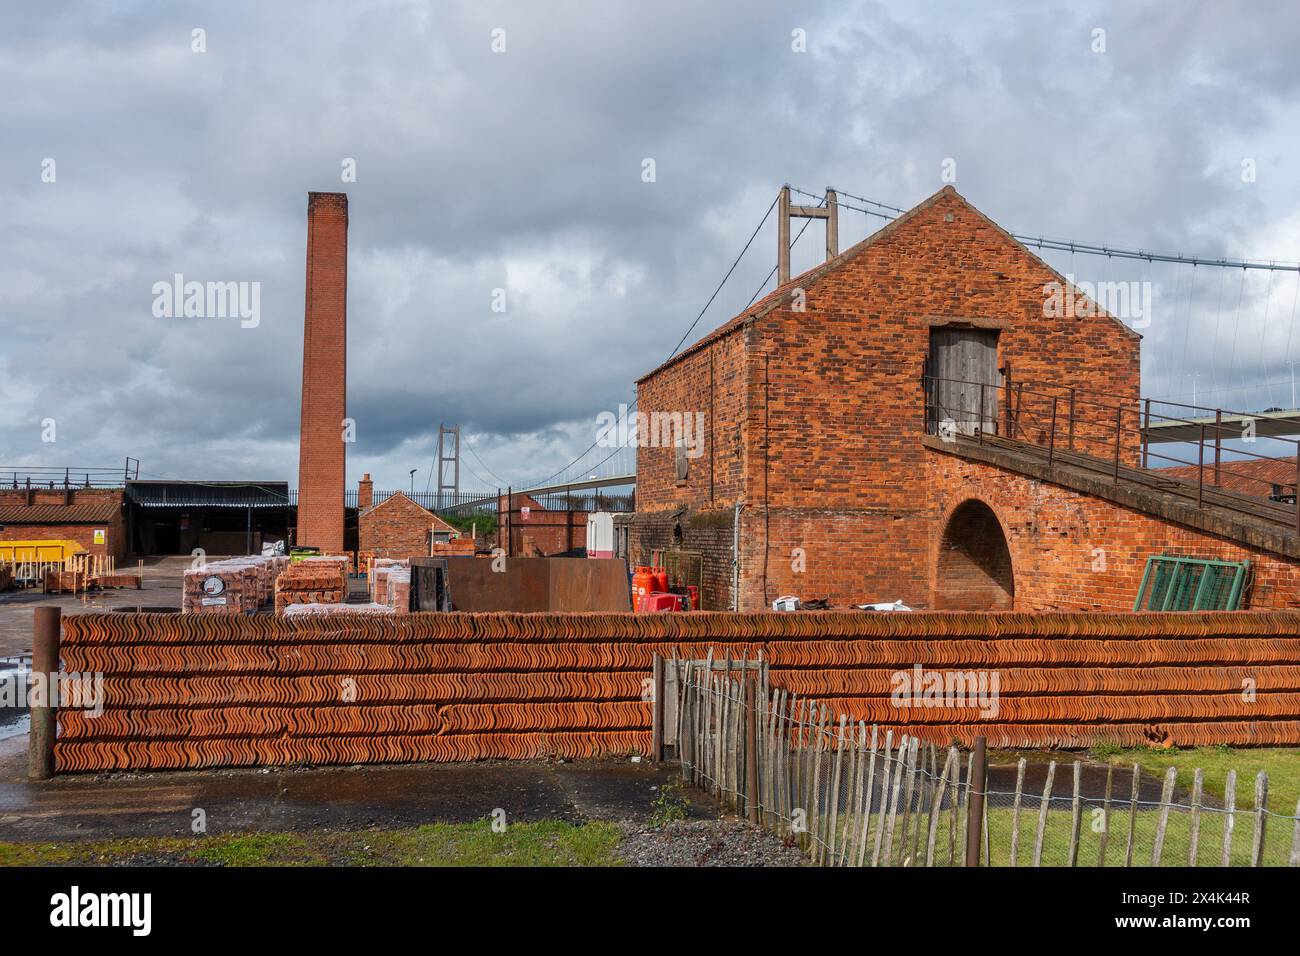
{"x":98,"y":806}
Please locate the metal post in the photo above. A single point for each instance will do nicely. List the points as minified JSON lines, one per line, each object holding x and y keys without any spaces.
{"x":1200,"y":468}
{"x":1071,"y":419}
{"x":1118,"y":425}
{"x":975,"y":809}
{"x":45,"y":668}
{"x":1006,"y":395}
{"x":1051,"y":442}
{"x":979,"y":428}
{"x":1218,"y":442}
{"x":1146,"y":427}
{"x":751,"y":748}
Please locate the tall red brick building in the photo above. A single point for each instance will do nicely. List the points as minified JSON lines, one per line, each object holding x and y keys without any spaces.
{"x":815,"y":405}
{"x":321,"y":450}
{"x":825,"y":471}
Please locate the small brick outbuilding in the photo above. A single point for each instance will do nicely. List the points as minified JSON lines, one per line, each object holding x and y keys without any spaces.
{"x":398,"y":527}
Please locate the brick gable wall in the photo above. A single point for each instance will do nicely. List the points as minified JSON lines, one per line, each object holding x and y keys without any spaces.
{"x":396,"y":528}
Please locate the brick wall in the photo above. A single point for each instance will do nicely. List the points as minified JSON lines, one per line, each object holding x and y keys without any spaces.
{"x":324,"y":374}
{"x":706,"y":532}
{"x":712,"y":382}
{"x":115,"y":542}
{"x":236,"y":690}
{"x":1071,"y":551}
{"x":543,"y":532}
{"x":817,"y":413}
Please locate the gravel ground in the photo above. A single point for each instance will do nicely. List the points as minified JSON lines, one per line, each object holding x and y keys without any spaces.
{"x":706,"y":843}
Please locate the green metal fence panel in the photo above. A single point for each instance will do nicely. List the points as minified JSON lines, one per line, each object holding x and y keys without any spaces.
{"x":1172,"y":583}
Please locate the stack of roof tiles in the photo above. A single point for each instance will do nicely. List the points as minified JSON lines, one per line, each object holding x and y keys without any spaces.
{"x":202,"y":691}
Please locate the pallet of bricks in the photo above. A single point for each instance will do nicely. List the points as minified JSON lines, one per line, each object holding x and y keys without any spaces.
{"x":380,"y":569}
{"x":398,"y":589}
{"x":320,"y":579}
{"x":350,"y":556}
{"x":233,"y":586}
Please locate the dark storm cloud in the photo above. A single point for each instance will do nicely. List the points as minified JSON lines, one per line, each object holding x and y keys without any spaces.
{"x":520,"y":171}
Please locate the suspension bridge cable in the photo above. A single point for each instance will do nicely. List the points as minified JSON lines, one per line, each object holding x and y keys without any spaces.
{"x":1090,"y":248}
{"x":889,"y":212}
{"x":1218,"y":316}
{"x":479,"y":459}
{"x":806,"y":223}
{"x":685,"y":334}
{"x":1291,"y":327}
{"x":1236,"y":325}
{"x":1263,"y":328}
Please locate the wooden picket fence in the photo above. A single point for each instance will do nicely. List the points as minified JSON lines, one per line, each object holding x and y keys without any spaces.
{"x":850,"y":795}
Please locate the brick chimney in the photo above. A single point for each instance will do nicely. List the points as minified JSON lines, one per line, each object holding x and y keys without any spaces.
{"x":324,"y":374}
{"x":365,"y":492}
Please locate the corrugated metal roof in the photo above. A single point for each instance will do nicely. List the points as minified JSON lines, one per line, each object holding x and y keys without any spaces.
{"x":216,"y":494}
{"x":98,"y":512}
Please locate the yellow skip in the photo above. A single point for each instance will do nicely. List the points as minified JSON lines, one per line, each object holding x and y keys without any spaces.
{"x":46,"y":551}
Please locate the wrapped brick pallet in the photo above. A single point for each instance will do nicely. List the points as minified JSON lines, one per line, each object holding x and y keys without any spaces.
{"x":233,"y":586}
{"x":324,"y":610}
{"x":399,"y":589}
{"x":379,"y":571}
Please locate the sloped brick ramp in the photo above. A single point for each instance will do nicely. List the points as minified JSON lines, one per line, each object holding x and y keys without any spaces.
{"x":199,"y":691}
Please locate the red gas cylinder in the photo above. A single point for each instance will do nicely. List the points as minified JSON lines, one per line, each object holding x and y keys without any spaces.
{"x":643,"y":583}
{"x":661,"y":579}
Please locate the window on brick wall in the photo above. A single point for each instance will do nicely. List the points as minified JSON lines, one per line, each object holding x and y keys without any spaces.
{"x":682,"y":460}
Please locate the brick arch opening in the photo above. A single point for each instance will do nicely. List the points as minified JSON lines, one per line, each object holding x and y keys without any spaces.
{"x":973,"y":572}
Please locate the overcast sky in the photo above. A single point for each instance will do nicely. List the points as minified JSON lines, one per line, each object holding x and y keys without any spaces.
{"x":478,"y":169}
